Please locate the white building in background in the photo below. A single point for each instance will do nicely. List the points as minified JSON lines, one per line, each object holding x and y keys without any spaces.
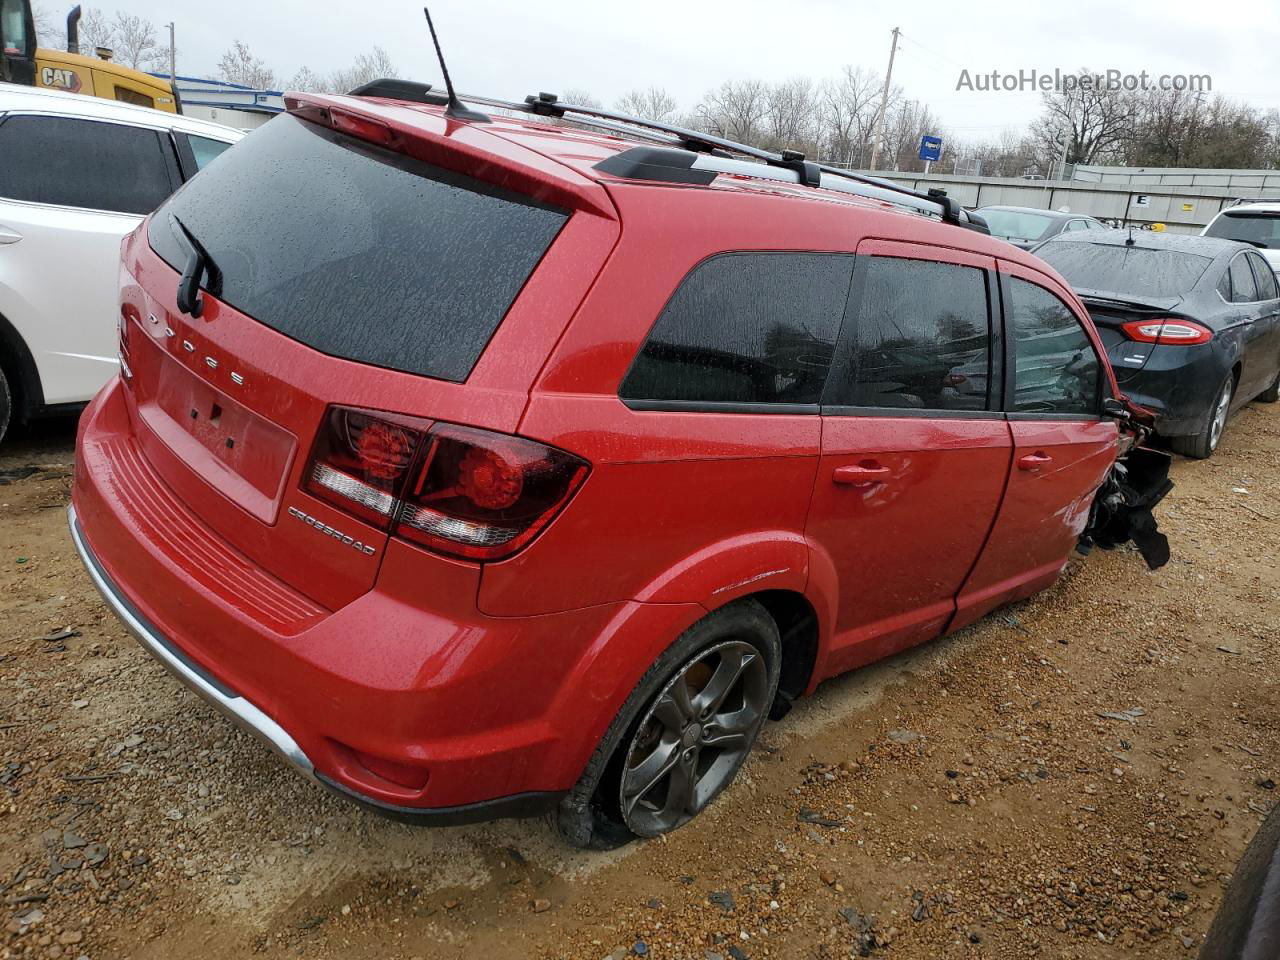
{"x":231,"y":104}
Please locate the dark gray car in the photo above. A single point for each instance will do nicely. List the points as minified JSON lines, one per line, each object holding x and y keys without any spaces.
{"x":1191,"y":324}
{"x":1026,"y":226}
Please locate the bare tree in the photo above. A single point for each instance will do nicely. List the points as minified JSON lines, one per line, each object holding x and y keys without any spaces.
{"x":374,"y":65}
{"x":48,"y":33}
{"x":1089,"y":120}
{"x":135,"y":40}
{"x":239,"y":65}
{"x":581,"y":98}
{"x":95,"y":31}
{"x":791,"y":117}
{"x":735,"y":109}
{"x":848,"y":114}
{"x":655,"y":103}
{"x":308,"y":81}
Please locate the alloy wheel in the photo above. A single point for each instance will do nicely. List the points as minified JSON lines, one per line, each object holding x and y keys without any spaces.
{"x":695,"y":736}
{"x":1220,"y":411}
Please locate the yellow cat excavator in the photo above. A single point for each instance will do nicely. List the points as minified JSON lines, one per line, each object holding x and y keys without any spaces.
{"x":22,"y":62}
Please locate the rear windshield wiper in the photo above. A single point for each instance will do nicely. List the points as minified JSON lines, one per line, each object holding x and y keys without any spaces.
{"x":199,"y":263}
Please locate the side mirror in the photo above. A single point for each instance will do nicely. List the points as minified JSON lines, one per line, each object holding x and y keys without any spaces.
{"x":1115,"y":408}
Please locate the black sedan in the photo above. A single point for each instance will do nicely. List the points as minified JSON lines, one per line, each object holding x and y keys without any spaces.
{"x":1026,"y":226}
{"x":1192,"y":324}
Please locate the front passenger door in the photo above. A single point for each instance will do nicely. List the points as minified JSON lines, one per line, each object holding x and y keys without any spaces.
{"x":1062,"y":446}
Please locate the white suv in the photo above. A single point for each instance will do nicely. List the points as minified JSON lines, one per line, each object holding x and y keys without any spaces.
{"x":77,"y":174}
{"x":1257,"y":223}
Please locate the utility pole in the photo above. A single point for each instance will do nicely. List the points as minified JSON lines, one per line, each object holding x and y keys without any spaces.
{"x":173,"y":59}
{"x":884,"y":101}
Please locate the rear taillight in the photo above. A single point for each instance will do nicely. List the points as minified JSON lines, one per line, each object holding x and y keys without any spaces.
{"x":1167,"y":331}
{"x":457,"y":490}
{"x":361,"y":460}
{"x":485,"y":495}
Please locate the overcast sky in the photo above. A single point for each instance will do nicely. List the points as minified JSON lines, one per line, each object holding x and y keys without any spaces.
{"x":509,"y":49}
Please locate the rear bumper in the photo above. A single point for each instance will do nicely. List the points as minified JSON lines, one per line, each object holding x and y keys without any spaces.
{"x":249,"y":717}
{"x":470,"y":716}
{"x":1177,"y":384}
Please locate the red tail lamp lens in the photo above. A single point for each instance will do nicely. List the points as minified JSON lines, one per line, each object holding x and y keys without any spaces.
{"x":361,"y":459}
{"x":484,"y":495}
{"x":1167,"y":331}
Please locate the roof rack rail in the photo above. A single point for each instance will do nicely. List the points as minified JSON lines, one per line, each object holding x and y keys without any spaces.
{"x":1236,"y":201}
{"x":713,"y":154}
{"x":807,"y":172}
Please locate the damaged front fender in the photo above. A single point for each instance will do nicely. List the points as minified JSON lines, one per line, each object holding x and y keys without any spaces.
{"x":1122,"y":509}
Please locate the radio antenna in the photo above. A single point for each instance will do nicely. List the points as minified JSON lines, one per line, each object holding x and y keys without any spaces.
{"x":455,"y":108}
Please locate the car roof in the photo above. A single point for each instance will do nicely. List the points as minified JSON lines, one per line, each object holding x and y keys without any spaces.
{"x":1051,"y":214}
{"x":576,"y":149}
{"x":1152,"y":240}
{"x":13,"y":97}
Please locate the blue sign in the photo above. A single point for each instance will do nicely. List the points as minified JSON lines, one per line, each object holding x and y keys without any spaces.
{"x":930,"y":148}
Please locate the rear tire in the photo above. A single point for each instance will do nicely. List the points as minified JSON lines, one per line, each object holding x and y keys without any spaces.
{"x":682,"y":735}
{"x":1272,"y":393}
{"x":6,"y":405}
{"x":1200,"y":446}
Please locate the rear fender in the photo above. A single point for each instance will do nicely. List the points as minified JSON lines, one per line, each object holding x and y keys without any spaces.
{"x":722,"y":572}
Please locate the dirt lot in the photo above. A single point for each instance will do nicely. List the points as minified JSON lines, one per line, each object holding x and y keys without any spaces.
{"x":1073,"y":777}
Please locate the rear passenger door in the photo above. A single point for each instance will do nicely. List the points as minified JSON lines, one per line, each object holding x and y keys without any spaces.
{"x":1062,"y":445}
{"x":1265,"y":339}
{"x":914,"y":450}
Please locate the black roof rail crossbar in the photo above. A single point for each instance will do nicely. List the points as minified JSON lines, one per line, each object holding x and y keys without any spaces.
{"x":656,"y":163}
{"x":393,"y":89}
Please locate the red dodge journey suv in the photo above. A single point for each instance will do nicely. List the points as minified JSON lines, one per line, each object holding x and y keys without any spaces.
{"x":488,"y":469}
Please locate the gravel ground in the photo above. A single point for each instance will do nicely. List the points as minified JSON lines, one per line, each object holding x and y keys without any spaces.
{"x":1071,"y":778}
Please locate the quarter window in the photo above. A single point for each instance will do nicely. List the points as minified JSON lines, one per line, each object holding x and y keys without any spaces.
{"x":82,"y":163}
{"x":1243,"y":288}
{"x":746,"y":328}
{"x":920,"y":338}
{"x":1265,"y":277}
{"x":204,"y":150}
{"x":1055,"y":367}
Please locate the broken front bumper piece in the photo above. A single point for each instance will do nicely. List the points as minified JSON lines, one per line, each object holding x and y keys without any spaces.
{"x":1122,"y":510}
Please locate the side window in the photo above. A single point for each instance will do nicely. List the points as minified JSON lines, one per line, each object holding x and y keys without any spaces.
{"x":1243,"y":289}
{"x":1265,"y":278}
{"x":125,"y":95}
{"x":1224,"y":285}
{"x":920,"y":338}
{"x":205,"y":150}
{"x":82,"y":163}
{"x":746,"y":328}
{"x":1076,"y":225}
{"x":1055,"y":367}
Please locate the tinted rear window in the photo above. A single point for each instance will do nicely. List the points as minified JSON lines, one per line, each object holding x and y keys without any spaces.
{"x":1016,"y":224}
{"x":746,"y":328}
{"x":1260,"y":229}
{"x":359,"y":252}
{"x":1119,"y":269}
